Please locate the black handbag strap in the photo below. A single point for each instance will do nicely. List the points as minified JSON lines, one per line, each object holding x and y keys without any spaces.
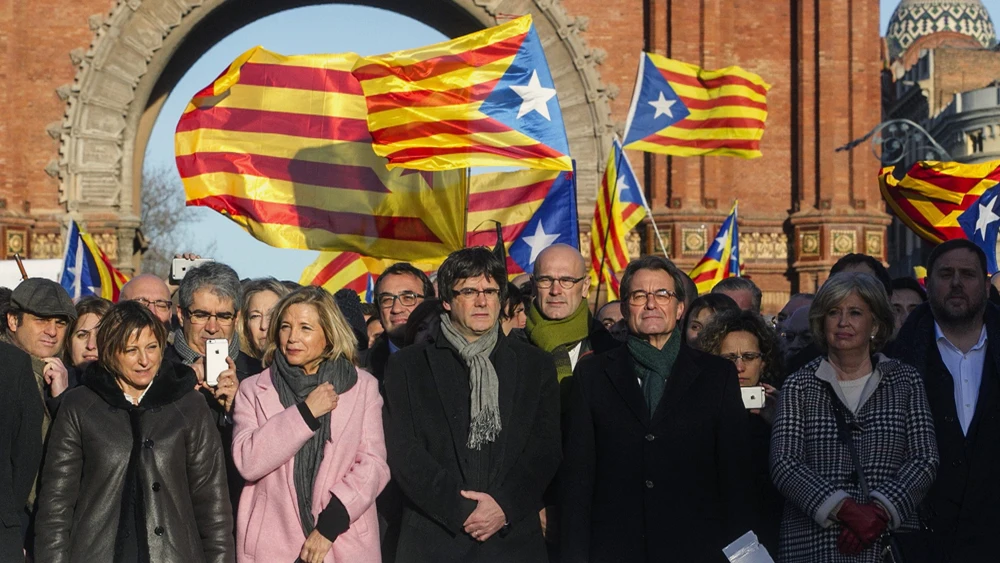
{"x":844,"y":432}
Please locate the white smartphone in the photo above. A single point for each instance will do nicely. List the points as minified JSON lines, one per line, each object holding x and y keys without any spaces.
{"x":181,"y":266}
{"x":753,"y":397}
{"x":216,"y":351}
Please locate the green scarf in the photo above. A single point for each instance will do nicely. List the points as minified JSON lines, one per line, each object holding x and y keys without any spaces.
{"x":653,"y":366}
{"x":558,"y":337}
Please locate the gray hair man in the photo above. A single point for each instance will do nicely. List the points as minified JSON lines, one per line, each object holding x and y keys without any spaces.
{"x":744,"y":292}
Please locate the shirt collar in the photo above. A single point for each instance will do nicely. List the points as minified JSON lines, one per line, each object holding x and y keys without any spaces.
{"x":939,"y":336}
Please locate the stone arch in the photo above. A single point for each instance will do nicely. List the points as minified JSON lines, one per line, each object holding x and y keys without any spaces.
{"x":141,"y":48}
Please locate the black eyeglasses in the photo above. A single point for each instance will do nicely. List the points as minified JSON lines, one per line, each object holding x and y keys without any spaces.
{"x":198,"y":317}
{"x":471,"y":293}
{"x":545,"y":282}
{"x":406,"y":299}
{"x":160,"y":304}
{"x":747,"y":357}
{"x":661,"y":296}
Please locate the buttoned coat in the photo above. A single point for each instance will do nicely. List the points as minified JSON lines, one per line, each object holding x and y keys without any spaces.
{"x":429,"y":458}
{"x":960,"y":513}
{"x":812,"y":468}
{"x":674,"y":486}
{"x":266,"y":437}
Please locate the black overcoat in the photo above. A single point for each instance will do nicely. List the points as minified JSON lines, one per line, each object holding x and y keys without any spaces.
{"x":676,"y":486}
{"x":427,"y":453}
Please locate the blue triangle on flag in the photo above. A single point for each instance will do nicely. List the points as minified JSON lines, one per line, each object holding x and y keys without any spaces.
{"x":628,"y":188}
{"x":981,"y":224}
{"x":554,"y":222}
{"x":528,"y":84}
{"x":655,"y":105}
{"x":80,"y":277}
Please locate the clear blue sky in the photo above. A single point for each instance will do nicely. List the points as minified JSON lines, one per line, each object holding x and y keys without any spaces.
{"x":317,"y":29}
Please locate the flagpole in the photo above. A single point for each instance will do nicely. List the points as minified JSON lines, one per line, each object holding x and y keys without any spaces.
{"x":656,"y":230}
{"x":465,"y":217}
{"x":607,"y":228}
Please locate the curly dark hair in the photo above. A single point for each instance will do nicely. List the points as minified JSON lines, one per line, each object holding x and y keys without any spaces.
{"x":727,"y":322}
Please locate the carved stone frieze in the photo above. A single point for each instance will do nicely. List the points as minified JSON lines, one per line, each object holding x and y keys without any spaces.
{"x":693,"y":241}
{"x":843,"y":242}
{"x":107,"y":242}
{"x":763,"y":246}
{"x":46,"y":245}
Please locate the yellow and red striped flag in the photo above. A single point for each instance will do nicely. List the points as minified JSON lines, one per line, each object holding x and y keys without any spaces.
{"x":621,"y":205}
{"x":338,"y":270}
{"x":485,"y":99}
{"x":932,"y":195}
{"x":87,"y":270}
{"x":683,"y":110}
{"x":723,"y":257}
{"x":280,"y":145}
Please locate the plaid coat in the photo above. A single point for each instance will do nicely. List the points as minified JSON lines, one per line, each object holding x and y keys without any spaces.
{"x":813,"y":470}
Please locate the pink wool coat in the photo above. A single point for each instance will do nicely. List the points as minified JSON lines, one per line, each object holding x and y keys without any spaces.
{"x":266,"y":437}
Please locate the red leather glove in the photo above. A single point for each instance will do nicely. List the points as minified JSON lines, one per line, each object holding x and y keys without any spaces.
{"x":867,"y":521}
{"x":848,"y":543}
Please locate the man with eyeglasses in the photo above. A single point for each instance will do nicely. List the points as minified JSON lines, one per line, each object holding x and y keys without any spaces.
{"x":656,"y":441}
{"x":398,"y":291}
{"x":472,"y":427}
{"x":153,"y":293}
{"x":559,"y":320}
{"x":208,"y":299}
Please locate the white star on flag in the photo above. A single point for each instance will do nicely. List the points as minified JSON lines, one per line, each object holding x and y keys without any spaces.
{"x":621,"y":186}
{"x":534,"y":97}
{"x":663,"y":106}
{"x":539,"y":241}
{"x":721,"y":240}
{"x":986,"y":218}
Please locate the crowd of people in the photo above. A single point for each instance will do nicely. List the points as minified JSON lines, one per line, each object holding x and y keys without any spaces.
{"x":470,"y":418}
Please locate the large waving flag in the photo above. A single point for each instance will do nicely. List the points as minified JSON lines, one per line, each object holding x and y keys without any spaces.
{"x":485,"y":99}
{"x":723,"y":257}
{"x":337,"y":270}
{"x":87,"y":270}
{"x":621,"y":205}
{"x":280,"y":145}
{"x":536,"y":209}
{"x":683,"y":110}
{"x":932,"y":195}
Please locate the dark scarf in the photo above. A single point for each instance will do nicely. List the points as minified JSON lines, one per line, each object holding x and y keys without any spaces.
{"x":189,"y":356}
{"x":293,"y":386}
{"x":653,"y":366}
{"x":172,"y":381}
{"x":558,"y":337}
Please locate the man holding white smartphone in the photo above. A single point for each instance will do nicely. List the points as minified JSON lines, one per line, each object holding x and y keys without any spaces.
{"x":208,"y":301}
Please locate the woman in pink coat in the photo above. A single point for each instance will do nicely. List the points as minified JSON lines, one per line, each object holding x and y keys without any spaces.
{"x":308,"y":440}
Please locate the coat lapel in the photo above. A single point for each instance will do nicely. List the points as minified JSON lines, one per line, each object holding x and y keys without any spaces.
{"x":683,"y":374}
{"x":451,"y":392}
{"x":270,"y":403}
{"x":619,"y":371}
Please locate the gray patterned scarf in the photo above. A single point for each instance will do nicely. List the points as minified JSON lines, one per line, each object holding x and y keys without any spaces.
{"x":293,"y":386}
{"x":484,"y":409}
{"x":189,"y":356}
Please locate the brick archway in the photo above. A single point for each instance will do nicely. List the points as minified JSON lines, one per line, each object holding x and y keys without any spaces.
{"x":143,"y":47}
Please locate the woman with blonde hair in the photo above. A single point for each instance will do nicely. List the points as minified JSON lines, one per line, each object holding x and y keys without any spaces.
{"x":852,"y":448}
{"x":313,"y":420}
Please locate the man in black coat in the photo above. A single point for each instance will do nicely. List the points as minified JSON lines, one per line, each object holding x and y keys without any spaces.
{"x":398,"y":291}
{"x":20,"y":447}
{"x":472,"y":428}
{"x":954,"y":342}
{"x":656,"y":454}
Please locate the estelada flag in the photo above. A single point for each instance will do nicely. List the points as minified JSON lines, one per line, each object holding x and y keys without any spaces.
{"x":723,"y":257}
{"x":932,"y":195}
{"x":683,"y":110}
{"x":87,"y":270}
{"x":485,"y":99}
{"x":621,"y":205}
{"x":280,"y":145}
{"x":337,"y":270}
{"x":535,"y":208}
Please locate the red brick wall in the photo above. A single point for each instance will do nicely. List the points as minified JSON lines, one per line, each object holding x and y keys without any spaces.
{"x":961,"y":70}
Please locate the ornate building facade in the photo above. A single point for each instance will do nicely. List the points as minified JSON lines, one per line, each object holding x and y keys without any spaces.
{"x":83,"y":89}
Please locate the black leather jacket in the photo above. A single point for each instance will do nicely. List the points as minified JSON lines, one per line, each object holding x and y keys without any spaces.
{"x":182,"y":509}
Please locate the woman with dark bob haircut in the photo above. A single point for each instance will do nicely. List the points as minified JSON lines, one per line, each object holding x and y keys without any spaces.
{"x":851,"y":407}
{"x":134,"y":468}
{"x":700,"y":314}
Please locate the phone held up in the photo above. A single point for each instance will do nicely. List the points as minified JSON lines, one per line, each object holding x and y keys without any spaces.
{"x":216,"y":352}
{"x":753,"y":397}
{"x":181,"y":266}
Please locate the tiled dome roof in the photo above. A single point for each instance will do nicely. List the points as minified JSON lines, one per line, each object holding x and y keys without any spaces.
{"x":914,"y":19}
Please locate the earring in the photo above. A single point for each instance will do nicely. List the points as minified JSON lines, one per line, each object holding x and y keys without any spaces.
{"x":872,"y":337}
